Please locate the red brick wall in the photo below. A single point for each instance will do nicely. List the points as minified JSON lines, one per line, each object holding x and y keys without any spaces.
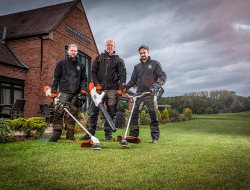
{"x":13,"y":72}
{"x":41,"y":74}
{"x":29,"y":51}
{"x":54,"y":49}
{"x":78,"y":20}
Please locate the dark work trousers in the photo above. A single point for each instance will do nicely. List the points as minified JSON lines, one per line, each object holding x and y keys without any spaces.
{"x":111,"y":100}
{"x":152,"y":107}
{"x":59,"y":115}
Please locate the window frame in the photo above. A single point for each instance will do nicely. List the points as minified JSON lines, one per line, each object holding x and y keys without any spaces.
{"x":12,"y":82}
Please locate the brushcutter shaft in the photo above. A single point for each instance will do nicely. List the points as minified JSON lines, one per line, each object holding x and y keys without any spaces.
{"x":133,"y":107}
{"x":77,"y":121}
{"x":132,"y":110}
{"x":138,"y":96}
{"x":107,"y":117}
{"x":97,"y":99}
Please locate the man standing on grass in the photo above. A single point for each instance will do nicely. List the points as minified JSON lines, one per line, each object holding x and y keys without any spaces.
{"x":146,"y":74}
{"x":70,"y":76}
{"x":108,"y":73}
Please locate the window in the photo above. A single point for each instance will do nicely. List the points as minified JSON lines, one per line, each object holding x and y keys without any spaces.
{"x":10,"y":90}
{"x":85,"y":60}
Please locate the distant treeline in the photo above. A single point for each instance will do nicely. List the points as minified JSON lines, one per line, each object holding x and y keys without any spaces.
{"x":218,"y":101}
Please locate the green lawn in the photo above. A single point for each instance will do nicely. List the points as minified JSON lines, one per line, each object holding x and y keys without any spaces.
{"x":212,"y":152}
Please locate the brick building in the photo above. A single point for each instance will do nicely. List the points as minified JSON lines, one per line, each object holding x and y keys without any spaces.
{"x":32,"y":42}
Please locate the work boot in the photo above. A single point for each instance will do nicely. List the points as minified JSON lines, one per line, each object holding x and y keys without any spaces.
{"x":56,"y":135}
{"x":70,"y":135}
{"x":109,"y":137}
{"x":155,"y":141}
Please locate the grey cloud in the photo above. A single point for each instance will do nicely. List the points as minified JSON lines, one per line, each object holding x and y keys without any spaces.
{"x":12,"y":6}
{"x":195,"y":41}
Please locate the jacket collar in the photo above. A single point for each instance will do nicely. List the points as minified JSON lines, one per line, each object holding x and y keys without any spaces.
{"x":149,"y":59}
{"x":107,"y":54}
{"x":71,"y":60}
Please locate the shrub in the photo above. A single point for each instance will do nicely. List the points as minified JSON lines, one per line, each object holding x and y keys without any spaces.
{"x":6,"y":135}
{"x":208,"y":110}
{"x":78,"y":128}
{"x":126,"y":114}
{"x":122,"y":106}
{"x":144,"y":118}
{"x":18,"y":124}
{"x":187,"y":113}
{"x":173,"y":115}
{"x":34,"y":126}
{"x":120,"y":120}
{"x":84,"y":121}
{"x":159,"y":116}
{"x":194,"y":116}
{"x":83,"y":118}
{"x":100,"y":122}
{"x":165,"y":116}
{"x":181,"y":117}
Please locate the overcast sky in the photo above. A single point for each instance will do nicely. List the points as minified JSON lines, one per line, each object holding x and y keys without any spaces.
{"x":202,"y":45}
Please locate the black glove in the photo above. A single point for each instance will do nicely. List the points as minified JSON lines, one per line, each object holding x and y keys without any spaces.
{"x":81,"y":99}
{"x":64,"y":105}
{"x":160,"y":82}
{"x":157,"y":90}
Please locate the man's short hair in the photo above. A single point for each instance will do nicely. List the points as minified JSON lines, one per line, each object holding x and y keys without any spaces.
{"x":73,"y":45}
{"x":110,"y":41}
{"x":143,"y":47}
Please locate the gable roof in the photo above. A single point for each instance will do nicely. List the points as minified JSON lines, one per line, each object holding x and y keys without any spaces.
{"x":8,"y":57}
{"x":36,"y":21}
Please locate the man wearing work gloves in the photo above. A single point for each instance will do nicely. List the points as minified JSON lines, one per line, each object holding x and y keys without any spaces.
{"x":70,"y":76}
{"x":146,"y":74}
{"x":108,"y":73}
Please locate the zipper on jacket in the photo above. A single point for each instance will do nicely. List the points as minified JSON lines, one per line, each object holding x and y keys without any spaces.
{"x":106,"y":65}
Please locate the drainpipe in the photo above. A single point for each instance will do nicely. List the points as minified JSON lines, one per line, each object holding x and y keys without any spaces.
{"x":41,"y":69}
{"x":4,"y":29}
{"x":41,"y":57}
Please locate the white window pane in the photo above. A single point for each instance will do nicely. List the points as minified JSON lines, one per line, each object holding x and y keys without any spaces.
{"x":18,"y":94}
{"x":5,"y":85}
{"x":18,"y":87}
{"x":6,"y":96}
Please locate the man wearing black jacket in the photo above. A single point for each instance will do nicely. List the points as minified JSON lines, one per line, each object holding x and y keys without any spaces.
{"x":108,"y":73}
{"x":146,"y":74}
{"x":70,"y":76}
